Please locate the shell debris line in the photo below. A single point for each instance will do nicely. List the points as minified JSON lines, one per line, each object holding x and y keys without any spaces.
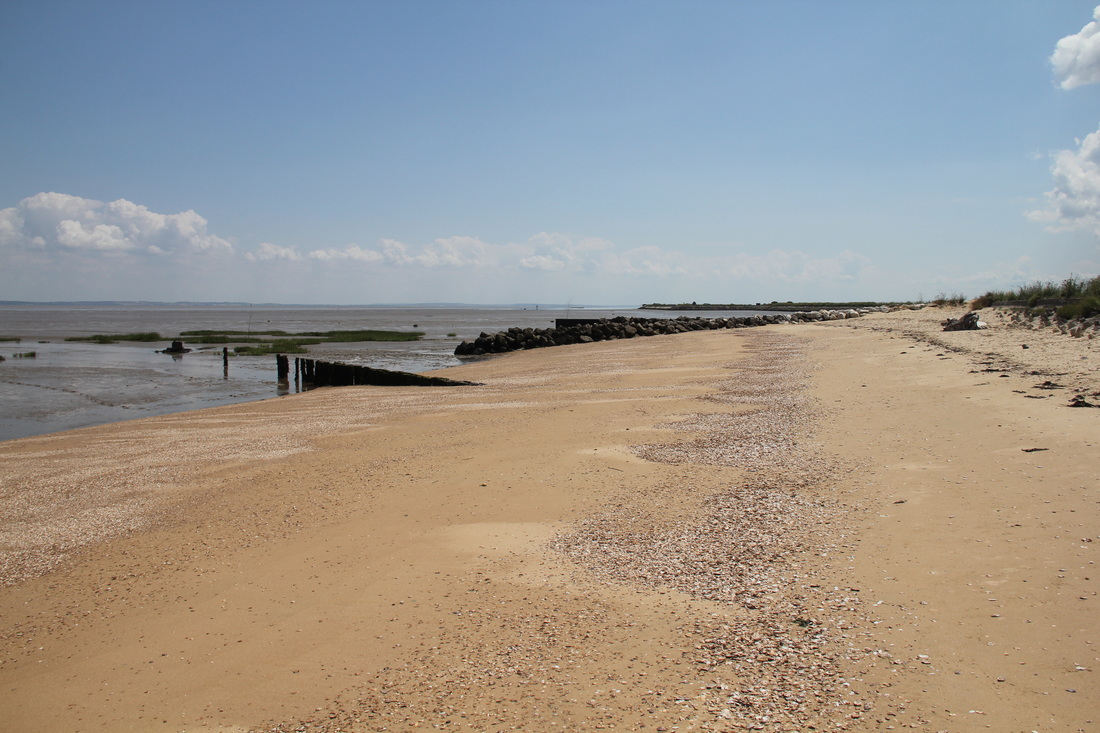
{"x":777,"y":660}
{"x":723,"y":562}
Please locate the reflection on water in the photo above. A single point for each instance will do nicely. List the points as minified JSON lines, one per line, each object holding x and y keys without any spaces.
{"x":71,"y":385}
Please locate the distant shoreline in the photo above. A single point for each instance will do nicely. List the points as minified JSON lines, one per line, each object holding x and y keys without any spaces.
{"x":245,"y":304}
{"x":786,"y":307}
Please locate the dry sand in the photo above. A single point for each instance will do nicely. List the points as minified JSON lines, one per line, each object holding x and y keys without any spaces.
{"x":861,"y":525}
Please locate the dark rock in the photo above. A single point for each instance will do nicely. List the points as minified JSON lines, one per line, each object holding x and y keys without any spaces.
{"x":176,"y":348}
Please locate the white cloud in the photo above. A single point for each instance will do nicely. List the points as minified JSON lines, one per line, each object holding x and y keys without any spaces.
{"x":780,"y":266}
{"x":555,"y":253}
{"x":542,"y":262}
{"x":1074,"y":203}
{"x":459,"y":252}
{"x":649,"y":261}
{"x":351,"y":252}
{"x":1017,"y":272}
{"x":1076,"y":58}
{"x":268,"y":251}
{"x":445,"y":253}
{"x":56,"y":221}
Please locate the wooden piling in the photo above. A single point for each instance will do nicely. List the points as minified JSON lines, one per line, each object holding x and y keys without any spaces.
{"x":316,"y":373}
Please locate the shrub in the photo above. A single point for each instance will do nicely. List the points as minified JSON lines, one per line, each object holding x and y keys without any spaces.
{"x":1072,"y":288}
{"x":952,"y":299}
{"x":1084,"y":308}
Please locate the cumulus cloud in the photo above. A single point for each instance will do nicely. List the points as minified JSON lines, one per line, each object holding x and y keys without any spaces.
{"x":351,"y":252}
{"x":556,"y":253}
{"x":650,"y":261}
{"x":445,"y":253}
{"x":60,"y":222}
{"x":1074,"y":203}
{"x":541,"y":262}
{"x":798,"y":267}
{"x":267,"y":252}
{"x":1076,"y":58}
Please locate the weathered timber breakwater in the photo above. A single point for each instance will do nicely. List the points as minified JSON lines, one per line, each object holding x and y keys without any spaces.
{"x":581,"y":331}
{"x":315,"y":373}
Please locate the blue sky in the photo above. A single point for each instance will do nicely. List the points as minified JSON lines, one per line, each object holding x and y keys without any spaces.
{"x":520,"y":152}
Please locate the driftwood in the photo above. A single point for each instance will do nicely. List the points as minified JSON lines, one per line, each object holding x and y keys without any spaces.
{"x":969,"y":322}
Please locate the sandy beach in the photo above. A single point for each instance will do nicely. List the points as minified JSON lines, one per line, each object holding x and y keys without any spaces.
{"x":863,"y":525}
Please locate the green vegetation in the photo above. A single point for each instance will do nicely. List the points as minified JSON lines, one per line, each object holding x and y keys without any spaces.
{"x":111,"y":338}
{"x":223,"y":337}
{"x":16,"y":339}
{"x":26,"y":355}
{"x":366,"y":335}
{"x":297,"y":342}
{"x":215,"y":338}
{"x":285,"y":343}
{"x":1087,"y":307}
{"x":190,"y":335}
{"x":772,"y":306}
{"x":952,"y":299}
{"x":1083,"y":296}
{"x":294,"y":343}
{"x":278,"y":346}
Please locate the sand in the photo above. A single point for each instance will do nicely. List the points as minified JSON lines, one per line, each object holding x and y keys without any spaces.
{"x":861,"y":525}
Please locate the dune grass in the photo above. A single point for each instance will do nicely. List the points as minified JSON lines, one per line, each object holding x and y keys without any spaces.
{"x":1083,"y":294}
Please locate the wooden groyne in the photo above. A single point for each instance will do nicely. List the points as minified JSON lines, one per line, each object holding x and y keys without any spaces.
{"x":316,"y":373}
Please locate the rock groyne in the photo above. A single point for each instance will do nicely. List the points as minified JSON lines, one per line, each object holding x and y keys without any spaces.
{"x":580,"y":331}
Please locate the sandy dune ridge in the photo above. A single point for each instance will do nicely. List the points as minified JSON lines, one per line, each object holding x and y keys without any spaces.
{"x":867,"y":524}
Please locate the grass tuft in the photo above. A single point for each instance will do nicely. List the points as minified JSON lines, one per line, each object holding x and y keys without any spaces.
{"x":112,"y":338}
{"x":1072,"y":288}
{"x":952,"y":299}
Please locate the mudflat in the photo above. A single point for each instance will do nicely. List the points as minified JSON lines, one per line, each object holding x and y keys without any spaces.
{"x":864,"y":524}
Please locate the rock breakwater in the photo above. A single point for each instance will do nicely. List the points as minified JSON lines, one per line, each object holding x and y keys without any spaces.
{"x":625,"y":327}
{"x":1040,"y":319}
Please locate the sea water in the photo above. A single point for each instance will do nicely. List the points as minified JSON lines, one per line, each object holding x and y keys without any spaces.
{"x":71,"y":384}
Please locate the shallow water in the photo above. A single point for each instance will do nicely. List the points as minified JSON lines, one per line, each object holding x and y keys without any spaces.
{"x":72,"y":384}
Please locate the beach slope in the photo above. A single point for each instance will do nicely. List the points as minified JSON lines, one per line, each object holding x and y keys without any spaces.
{"x":860,"y":524}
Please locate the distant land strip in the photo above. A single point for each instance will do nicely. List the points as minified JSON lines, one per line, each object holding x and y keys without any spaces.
{"x":773,"y":306}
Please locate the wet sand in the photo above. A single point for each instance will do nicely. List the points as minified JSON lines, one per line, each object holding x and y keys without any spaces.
{"x":812,"y":527}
